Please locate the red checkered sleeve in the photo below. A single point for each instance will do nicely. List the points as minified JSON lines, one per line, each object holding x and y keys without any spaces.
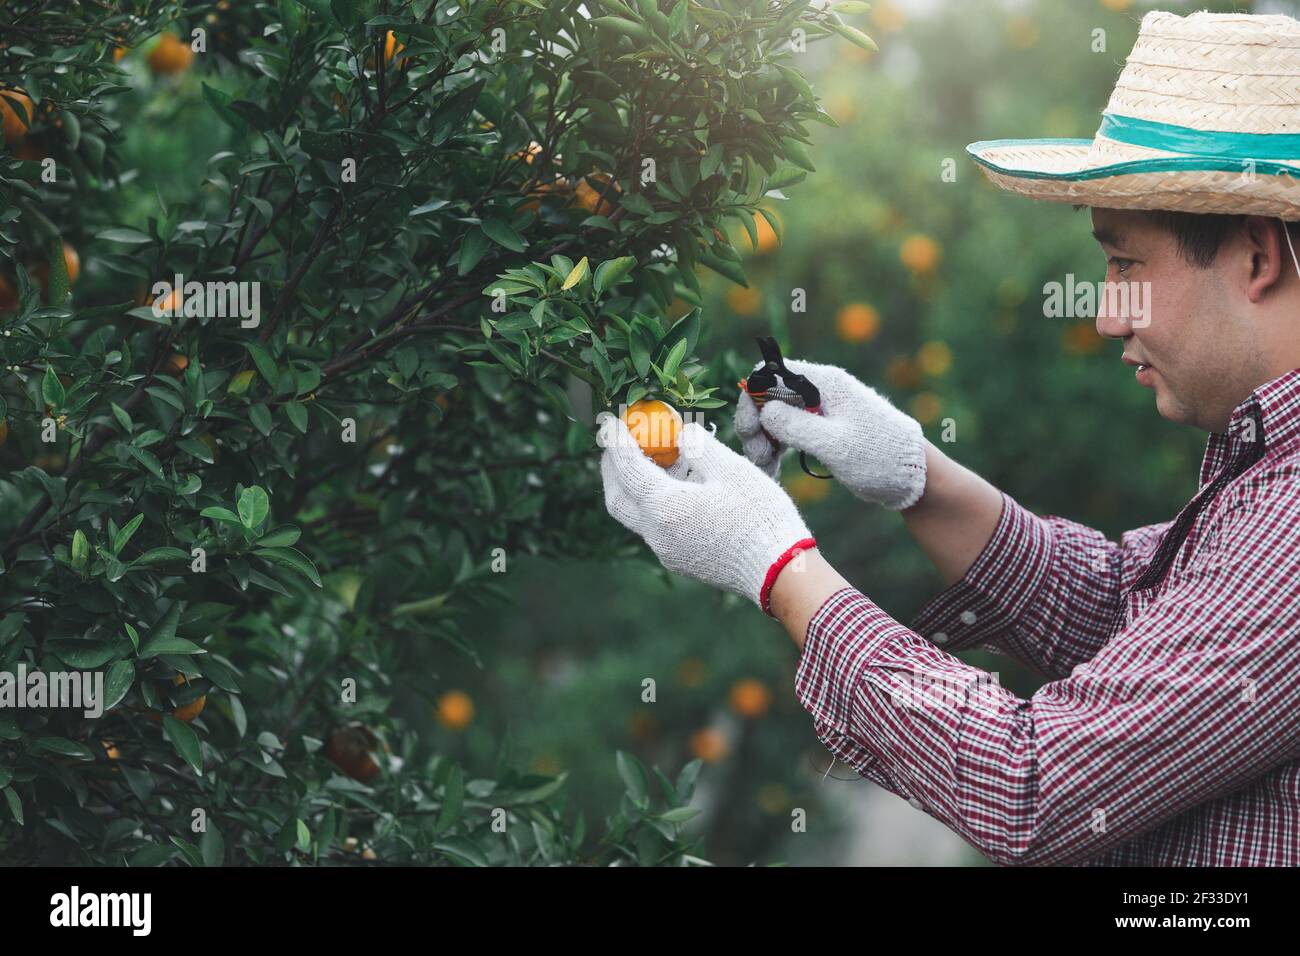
{"x":1043,"y":590}
{"x":1197,"y":697}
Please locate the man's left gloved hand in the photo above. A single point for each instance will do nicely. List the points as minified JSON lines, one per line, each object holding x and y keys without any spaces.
{"x":713,"y":516}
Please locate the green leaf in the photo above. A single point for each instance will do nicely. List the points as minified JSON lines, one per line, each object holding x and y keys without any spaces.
{"x":253,"y":507}
{"x":609,"y":273}
{"x":452,"y":801}
{"x":80,"y":550}
{"x":503,"y":235}
{"x":674,"y":359}
{"x":221,"y":514}
{"x":576,"y":275}
{"x":186,"y":742}
{"x":212,"y":846}
{"x":853,"y":35}
{"x":118,"y":681}
{"x":633,"y":774}
{"x":291,"y":558}
{"x":132,"y":237}
{"x":472,"y":250}
{"x":281,"y":537}
{"x":52,"y":390}
{"x":124,"y":536}
{"x":162,"y":555}
{"x":15,"y":805}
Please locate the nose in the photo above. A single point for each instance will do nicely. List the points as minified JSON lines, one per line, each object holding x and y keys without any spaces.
{"x":1112,"y":323}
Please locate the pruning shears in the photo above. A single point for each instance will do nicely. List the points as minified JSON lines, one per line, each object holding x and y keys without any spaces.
{"x":773,"y":382}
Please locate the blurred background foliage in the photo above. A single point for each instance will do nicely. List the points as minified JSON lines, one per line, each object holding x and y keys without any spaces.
{"x":930,"y":290}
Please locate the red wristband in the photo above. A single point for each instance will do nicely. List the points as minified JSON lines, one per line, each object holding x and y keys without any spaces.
{"x":788,"y":555}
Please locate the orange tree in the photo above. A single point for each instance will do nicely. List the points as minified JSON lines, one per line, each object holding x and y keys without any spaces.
{"x":415,"y":241}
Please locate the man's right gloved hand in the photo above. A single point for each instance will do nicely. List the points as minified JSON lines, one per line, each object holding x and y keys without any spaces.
{"x":871,"y":448}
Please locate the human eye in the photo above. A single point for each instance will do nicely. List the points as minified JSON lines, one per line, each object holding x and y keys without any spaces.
{"x":1121,"y":265}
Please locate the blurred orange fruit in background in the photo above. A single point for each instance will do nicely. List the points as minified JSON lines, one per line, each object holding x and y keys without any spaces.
{"x":743,"y":301}
{"x":455,"y":710}
{"x":170,"y":55}
{"x":857,"y":322}
{"x":934,"y":358}
{"x":15,"y":122}
{"x":920,"y":254}
{"x":708,"y":745}
{"x":750,"y":698}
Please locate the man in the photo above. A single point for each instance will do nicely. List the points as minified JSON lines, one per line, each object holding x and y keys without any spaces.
{"x":1170,"y":731}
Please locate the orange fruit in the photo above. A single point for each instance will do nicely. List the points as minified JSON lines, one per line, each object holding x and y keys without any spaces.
{"x":392,"y":47}
{"x":1116,"y":4}
{"x":171,"y":55}
{"x":743,"y":301}
{"x":750,"y":698}
{"x":934,"y":358}
{"x":767,"y":238}
{"x":920,"y":254}
{"x":455,"y":710}
{"x":118,"y":53}
{"x":187,"y":712}
{"x":534,"y":203}
{"x":655,"y":426}
{"x":15,"y":123}
{"x":708,"y":745}
{"x":349,"y":748}
{"x":857,"y":322}
{"x":587,"y":194}
{"x":110,"y":750}
{"x":176,"y":364}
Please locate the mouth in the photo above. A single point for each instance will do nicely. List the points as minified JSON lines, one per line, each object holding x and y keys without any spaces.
{"x":1142,"y":370}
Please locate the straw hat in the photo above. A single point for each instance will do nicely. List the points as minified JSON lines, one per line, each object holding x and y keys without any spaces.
{"x":1205,"y":118}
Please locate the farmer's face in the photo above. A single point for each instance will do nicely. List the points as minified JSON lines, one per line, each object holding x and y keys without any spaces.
{"x":1186,"y":343}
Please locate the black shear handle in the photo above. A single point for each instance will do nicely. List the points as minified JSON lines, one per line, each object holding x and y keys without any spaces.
{"x":774,"y":364}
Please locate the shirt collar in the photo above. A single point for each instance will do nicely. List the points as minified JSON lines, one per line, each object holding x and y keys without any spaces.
{"x":1271,"y":413}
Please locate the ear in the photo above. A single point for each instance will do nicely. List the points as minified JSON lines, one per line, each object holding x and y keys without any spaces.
{"x":1268,"y":254}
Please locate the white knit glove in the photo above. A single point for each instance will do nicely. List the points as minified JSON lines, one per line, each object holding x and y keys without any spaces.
{"x":871,"y":448}
{"x":713,"y":516}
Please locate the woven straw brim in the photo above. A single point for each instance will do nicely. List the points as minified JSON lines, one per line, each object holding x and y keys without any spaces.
{"x":1063,"y":170}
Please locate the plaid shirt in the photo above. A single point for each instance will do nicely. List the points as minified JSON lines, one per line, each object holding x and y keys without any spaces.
{"x":1169,"y":734}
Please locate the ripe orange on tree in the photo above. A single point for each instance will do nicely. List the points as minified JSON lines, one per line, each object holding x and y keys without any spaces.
{"x":587,"y":193}
{"x":187,"y":712}
{"x":171,"y":55}
{"x":176,"y":364}
{"x":15,"y":122}
{"x":767,"y":237}
{"x":655,"y":426}
{"x":351,"y":749}
{"x":71,"y":262}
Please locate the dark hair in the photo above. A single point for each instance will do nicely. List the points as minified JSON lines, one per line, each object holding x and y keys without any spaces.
{"x":1201,"y":235}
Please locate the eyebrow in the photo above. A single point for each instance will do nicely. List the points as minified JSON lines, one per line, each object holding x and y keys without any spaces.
{"x":1108,"y":237}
